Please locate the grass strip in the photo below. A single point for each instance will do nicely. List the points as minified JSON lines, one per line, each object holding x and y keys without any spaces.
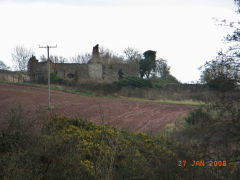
{"x":187,"y":102}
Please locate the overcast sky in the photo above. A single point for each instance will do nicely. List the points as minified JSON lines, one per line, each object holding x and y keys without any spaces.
{"x":181,"y":31}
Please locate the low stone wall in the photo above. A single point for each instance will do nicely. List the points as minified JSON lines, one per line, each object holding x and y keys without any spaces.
{"x":13,"y":76}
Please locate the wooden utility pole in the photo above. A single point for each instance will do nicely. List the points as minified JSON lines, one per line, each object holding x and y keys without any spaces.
{"x":48,"y":59}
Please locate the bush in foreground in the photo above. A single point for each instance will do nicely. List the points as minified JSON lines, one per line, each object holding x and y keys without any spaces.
{"x":67,"y":148}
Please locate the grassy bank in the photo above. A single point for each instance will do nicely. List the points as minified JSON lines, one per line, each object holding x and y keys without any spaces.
{"x":191,"y":103}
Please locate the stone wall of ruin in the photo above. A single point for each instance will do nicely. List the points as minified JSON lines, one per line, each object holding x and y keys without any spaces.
{"x":84,"y":72}
{"x":110,"y":71}
{"x":95,"y":71}
{"x":71,"y":70}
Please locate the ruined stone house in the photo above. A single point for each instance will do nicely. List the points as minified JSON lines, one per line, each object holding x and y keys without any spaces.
{"x":95,"y":70}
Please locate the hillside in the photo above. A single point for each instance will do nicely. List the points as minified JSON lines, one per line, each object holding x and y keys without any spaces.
{"x":39,"y":144}
{"x":122,"y":113}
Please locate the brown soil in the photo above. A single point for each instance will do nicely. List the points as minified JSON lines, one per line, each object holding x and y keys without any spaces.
{"x":133,"y":115}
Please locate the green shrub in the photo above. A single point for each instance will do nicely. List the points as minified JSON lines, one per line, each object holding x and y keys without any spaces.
{"x":59,"y":80}
{"x":134,"y":82}
{"x":12,"y":137}
{"x":76,"y":78}
{"x":222,"y":83}
{"x":160,"y":82}
{"x":199,"y":116}
{"x":53,"y":76}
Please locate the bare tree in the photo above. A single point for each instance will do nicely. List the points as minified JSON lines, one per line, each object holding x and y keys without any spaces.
{"x":43,"y":58}
{"x":54,"y":59}
{"x":105,"y":52}
{"x":132,"y":55}
{"x":81,"y":58}
{"x":3,"y":66}
{"x":222,"y":73}
{"x":108,"y":56}
{"x":20,"y":57}
{"x":58,"y":59}
{"x":162,"y":69}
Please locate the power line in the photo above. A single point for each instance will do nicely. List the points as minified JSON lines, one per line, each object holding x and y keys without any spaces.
{"x":48,"y":59}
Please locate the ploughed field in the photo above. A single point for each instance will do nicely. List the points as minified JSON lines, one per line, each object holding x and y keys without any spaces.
{"x":133,"y":115}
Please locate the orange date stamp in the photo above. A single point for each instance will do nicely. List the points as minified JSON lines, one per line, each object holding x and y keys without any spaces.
{"x":202,"y":163}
